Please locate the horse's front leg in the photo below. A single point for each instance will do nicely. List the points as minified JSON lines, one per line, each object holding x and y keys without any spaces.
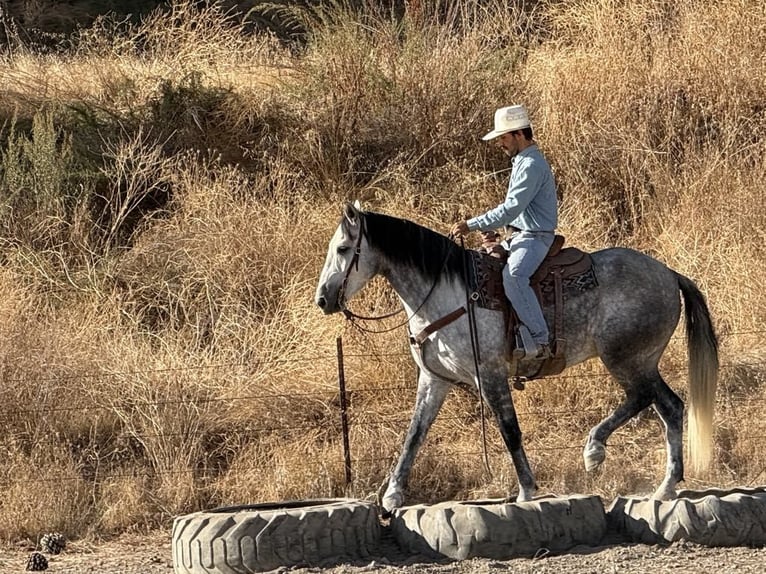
{"x":498,"y":397}
{"x":430,"y":398}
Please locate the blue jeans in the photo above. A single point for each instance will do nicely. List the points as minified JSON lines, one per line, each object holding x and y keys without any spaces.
{"x":526,"y":250}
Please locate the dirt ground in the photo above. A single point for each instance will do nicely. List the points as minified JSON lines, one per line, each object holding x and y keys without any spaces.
{"x":151,"y":554}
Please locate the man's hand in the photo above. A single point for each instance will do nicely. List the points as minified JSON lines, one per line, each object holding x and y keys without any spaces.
{"x":460,"y":228}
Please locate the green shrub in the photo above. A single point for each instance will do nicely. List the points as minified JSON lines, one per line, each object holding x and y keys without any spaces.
{"x":37,"y":190}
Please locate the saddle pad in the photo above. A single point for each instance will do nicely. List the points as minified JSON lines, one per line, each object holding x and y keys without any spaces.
{"x":573,"y":283}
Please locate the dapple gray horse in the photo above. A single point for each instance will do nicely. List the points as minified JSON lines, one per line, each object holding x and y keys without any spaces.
{"x":626,"y":321}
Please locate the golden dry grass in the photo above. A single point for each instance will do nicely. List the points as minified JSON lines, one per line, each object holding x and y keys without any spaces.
{"x":158,"y":367}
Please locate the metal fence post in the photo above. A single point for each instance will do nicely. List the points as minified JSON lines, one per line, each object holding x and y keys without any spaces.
{"x":343,"y":411}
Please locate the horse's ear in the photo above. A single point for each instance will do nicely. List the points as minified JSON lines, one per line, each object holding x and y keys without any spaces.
{"x":351,"y":212}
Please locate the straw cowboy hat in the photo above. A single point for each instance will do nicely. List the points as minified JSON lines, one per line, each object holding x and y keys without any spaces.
{"x":508,"y":119}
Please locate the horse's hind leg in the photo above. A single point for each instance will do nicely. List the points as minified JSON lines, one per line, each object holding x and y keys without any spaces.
{"x":642,"y":391}
{"x":430,"y":398}
{"x":635,"y":401}
{"x":671,"y":411}
{"x":639,"y":393}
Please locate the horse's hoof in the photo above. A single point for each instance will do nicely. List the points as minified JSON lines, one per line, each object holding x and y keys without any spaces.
{"x":525,"y":496}
{"x":593,"y":455}
{"x":392,"y":501}
{"x":665,"y":492}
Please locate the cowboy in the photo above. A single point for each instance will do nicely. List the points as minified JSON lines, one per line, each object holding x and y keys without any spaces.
{"x":530,"y":211}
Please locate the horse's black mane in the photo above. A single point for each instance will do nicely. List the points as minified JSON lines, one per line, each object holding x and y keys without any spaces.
{"x":408,"y":243}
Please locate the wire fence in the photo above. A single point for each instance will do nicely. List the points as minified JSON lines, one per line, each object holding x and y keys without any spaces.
{"x":339,"y":417}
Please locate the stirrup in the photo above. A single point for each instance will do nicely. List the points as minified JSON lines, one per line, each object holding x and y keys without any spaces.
{"x":525,"y":345}
{"x":540,"y":353}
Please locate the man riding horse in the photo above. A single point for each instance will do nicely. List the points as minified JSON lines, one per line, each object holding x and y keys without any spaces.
{"x":530,"y":211}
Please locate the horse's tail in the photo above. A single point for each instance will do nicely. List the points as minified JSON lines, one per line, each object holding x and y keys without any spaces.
{"x":702,"y":343}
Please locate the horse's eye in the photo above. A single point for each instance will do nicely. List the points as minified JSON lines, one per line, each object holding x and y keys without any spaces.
{"x":343,"y":249}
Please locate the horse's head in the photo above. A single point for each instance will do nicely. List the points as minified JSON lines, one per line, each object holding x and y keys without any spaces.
{"x":349,"y":264}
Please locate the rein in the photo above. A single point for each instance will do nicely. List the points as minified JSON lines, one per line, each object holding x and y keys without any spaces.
{"x":353,"y":317}
{"x":470,"y":303}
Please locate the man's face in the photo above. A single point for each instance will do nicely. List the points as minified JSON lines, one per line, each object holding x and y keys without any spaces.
{"x":509,"y":143}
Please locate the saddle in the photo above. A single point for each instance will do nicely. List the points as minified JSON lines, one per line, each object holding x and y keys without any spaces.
{"x":563,"y":273}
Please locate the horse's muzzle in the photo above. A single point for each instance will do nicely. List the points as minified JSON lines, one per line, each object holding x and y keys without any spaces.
{"x":326,"y":306}
{"x":322,"y":302}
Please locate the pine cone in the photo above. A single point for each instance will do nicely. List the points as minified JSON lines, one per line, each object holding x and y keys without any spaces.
{"x":53,"y":542}
{"x":37,"y":562}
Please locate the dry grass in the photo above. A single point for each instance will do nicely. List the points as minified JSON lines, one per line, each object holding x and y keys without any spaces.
{"x":160,"y":348}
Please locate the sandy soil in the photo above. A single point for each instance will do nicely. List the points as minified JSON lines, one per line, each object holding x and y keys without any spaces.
{"x":151,"y":554}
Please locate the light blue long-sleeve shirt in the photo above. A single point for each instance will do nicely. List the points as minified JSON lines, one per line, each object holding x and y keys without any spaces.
{"x":530,"y":204}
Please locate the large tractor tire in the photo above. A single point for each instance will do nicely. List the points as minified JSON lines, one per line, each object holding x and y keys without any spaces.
{"x":245,"y":539}
{"x":500,"y":530}
{"x":733,"y":517}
